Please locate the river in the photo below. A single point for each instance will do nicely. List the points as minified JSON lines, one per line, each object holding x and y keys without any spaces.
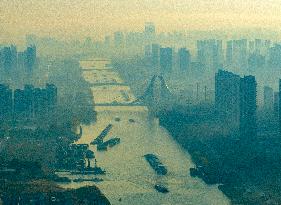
{"x":129,"y":179}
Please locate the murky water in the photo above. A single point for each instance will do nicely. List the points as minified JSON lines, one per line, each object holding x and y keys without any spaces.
{"x":129,"y":177}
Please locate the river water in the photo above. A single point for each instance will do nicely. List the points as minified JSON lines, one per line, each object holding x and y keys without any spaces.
{"x":129,"y":179}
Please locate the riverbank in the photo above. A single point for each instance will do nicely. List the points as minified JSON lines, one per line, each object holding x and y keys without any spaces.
{"x":248,"y":171}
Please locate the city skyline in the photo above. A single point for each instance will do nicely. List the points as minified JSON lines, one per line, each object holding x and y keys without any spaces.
{"x":87,"y":18}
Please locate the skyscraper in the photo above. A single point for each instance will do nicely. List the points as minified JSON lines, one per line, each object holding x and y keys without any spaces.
{"x":149,"y":28}
{"x":6,"y":102}
{"x":279,"y":107}
{"x":30,"y":55}
{"x":276,"y":104}
{"x":248,"y":106}
{"x":209,"y":53}
{"x":155,"y":54}
{"x":184,"y":59}
{"x":166,"y":60}
{"x":239,"y":54}
{"x":149,"y":32}
{"x":268,"y":98}
{"x":275,"y":56}
{"x":7,"y":59}
{"x":227,"y":94}
{"x":51,"y":92}
{"x":229,"y":53}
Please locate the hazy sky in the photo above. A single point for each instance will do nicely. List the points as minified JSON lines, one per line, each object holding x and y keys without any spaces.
{"x":86,"y":17}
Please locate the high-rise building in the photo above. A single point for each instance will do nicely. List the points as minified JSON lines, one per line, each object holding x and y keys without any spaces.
{"x":6,"y":102}
{"x":29,"y":99}
{"x":209,"y":53}
{"x":229,"y":53}
{"x":227,"y":94}
{"x":155,"y":54}
{"x":149,"y":28}
{"x":19,"y":103}
{"x":51,"y":91}
{"x":7,"y":59}
{"x":248,"y":107}
{"x":239,"y":54}
{"x":30,"y":56}
{"x":268,"y":98}
{"x":279,"y":107}
{"x":256,"y":61}
{"x":40,"y":101}
{"x":23,"y":101}
{"x":166,"y":60}
{"x":275,"y":56}
{"x":33,"y":102}
{"x":184,"y":59}
{"x":147,"y":51}
{"x":149,"y":32}
{"x":276,"y":104}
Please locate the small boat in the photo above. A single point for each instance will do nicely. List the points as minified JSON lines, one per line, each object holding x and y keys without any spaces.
{"x":161,"y":188}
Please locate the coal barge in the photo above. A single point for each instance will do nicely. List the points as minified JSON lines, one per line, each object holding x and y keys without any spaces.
{"x":156,"y":164}
{"x":99,"y":139}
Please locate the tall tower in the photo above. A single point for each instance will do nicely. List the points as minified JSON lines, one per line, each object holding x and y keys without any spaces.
{"x":248,"y":107}
{"x":279,"y":107}
{"x":227,"y":95}
{"x":184,"y":59}
{"x":149,"y":32}
{"x":166,"y":60}
{"x":268,"y":98}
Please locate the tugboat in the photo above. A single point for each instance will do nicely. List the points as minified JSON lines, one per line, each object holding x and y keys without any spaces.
{"x":161,"y":188}
{"x":97,"y":170}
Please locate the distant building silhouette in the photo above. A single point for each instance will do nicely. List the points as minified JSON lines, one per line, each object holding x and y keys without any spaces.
{"x":12,"y":61}
{"x":268,"y":98}
{"x":279,"y":108}
{"x":166,"y":60}
{"x":6,"y":102}
{"x":256,"y":61}
{"x":149,"y":32}
{"x":184,"y":59}
{"x":30,"y":55}
{"x":275,"y":56}
{"x":118,"y":39}
{"x":209,"y":53}
{"x":276,"y":104}
{"x":236,"y":54}
{"x":7,"y":59}
{"x":52,"y":93}
{"x":229,"y":53}
{"x":155,"y":54}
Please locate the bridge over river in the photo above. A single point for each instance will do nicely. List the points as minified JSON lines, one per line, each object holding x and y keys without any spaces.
{"x":129,"y":178}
